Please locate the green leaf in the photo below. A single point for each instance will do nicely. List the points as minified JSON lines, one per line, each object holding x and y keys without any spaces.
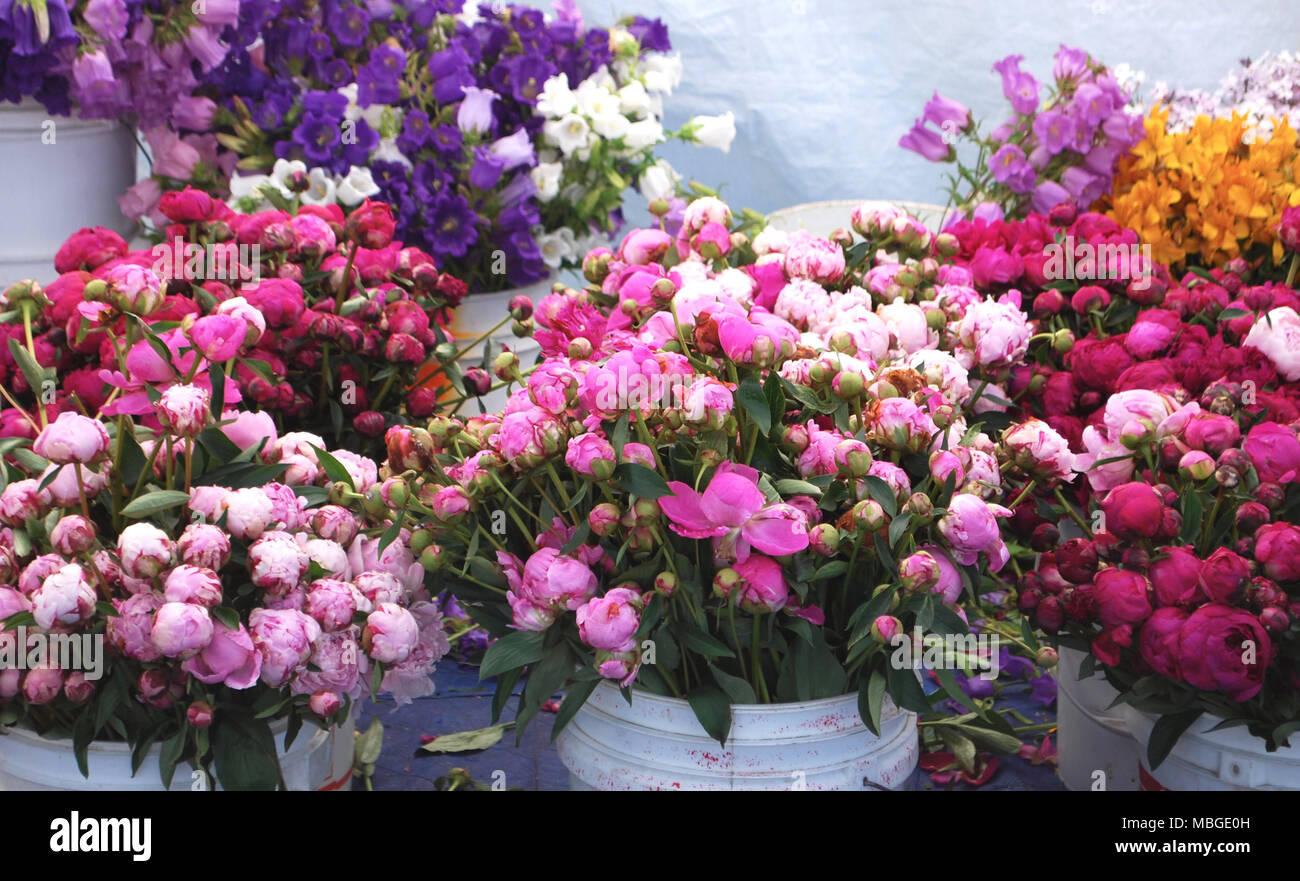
{"x":789,"y":487}
{"x":333,"y":468}
{"x":870,"y":701}
{"x":1165,"y":734}
{"x":33,"y":372}
{"x":227,"y":616}
{"x":315,"y":495}
{"x":466,"y":741}
{"x":170,"y":755}
{"x":751,"y":396}
{"x":883,"y":494}
{"x":701,"y":643}
{"x":153,"y":502}
{"x":713,"y":710}
{"x":573,"y":701}
{"x":641,"y":481}
{"x":83,"y":732}
{"x":740,"y":691}
{"x":997,"y":741}
{"x":505,"y":686}
{"x":370,"y":744}
{"x":243,"y":750}
{"x":906,"y":690}
{"x":962,"y":747}
{"x":832,"y":569}
{"x":217,"y":376}
{"x":510,"y":652}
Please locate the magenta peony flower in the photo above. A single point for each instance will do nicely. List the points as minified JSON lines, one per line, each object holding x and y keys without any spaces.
{"x":1274,"y":451}
{"x":1277,"y":548}
{"x":733,"y":512}
{"x":762,"y":584}
{"x":1221,"y":648}
{"x":229,"y":658}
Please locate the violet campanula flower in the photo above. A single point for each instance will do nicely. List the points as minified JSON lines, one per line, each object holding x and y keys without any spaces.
{"x":475,"y":111}
{"x":926,"y":142}
{"x":1019,"y":87}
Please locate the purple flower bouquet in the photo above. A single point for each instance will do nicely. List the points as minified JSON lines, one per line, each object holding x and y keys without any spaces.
{"x":504,"y":139}
{"x":1062,"y":149}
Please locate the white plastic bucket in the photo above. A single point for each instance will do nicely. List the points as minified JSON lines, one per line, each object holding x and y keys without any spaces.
{"x":1091,"y":737}
{"x":31,"y":763}
{"x":823,"y":218}
{"x":656,"y":743}
{"x":58,"y":174}
{"x":1228,"y":760}
{"x":479,"y":313}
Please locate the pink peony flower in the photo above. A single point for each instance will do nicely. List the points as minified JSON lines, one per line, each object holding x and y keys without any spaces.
{"x":218,"y":337}
{"x":391,"y":634}
{"x":131,"y":632}
{"x":185,"y":409}
{"x":181,"y":630}
{"x":204,"y":545}
{"x":248,"y":512}
{"x":814,"y":258}
{"x":229,"y":658}
{"x":591,"y":456}
{"x":277,"y":563}
{"x":72,"y":438}
{"x":970,"y":527}
{"x":733,"y":512}
{"x":144,"y":550}
{"x":333,"y":603}
{"x":610,"y":622}
{"x":284,"y":637}
{"x":64,"y":598}
{"x":193,"y":584}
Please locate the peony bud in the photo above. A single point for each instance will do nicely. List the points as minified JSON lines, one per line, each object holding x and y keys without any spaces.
{"x":199,"y":714}
{"x":885,"y":629}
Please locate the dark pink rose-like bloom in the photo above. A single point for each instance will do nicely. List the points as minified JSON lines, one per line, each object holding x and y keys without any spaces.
{"x":1277,"y":548}
{"x":1158,"y":640}
{"x":1274,"y":451}
{"x":1121,"y":597}
{"x":1221,"y":648}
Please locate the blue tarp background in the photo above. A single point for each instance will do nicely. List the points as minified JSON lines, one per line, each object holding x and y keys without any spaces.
{"x":823,"y":89}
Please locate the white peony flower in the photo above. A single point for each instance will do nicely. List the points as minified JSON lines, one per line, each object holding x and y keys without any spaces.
{"x":358,"y":186}
{"x":1277,"y":335}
